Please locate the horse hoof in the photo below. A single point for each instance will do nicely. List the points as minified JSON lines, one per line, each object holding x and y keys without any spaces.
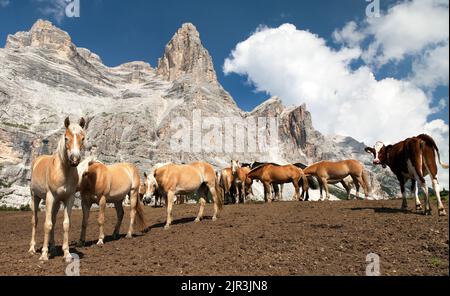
{"x":442,"y":212}
{"x":129,"y":236}
{"x":214,"y":219}
{"x":197,"y":220}
{"x":167,"y":227}
{"x":428,"y":213}
{"x":419,"y":208}
{"x":52,"y":249}
{"x":116,"y":236}
{"x":44,"y":257}
{"x":81,"y":244}
{"x":68,"y":258}
{"x":100,"y":242}
{"x":32,"y":251}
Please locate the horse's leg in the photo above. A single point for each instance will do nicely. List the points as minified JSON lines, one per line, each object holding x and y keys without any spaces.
{"x":281,"y":192}
{"x":267,"y":192}
{"x":34,"y":221}
{"x":120,"y":213}
{"x":358,"y":181}
{"x":134,"y":204}
{"x":101,"y":219}
{"x":86,"y":207}
{"x":55,"y":211}
{"x":325,"y":185}
{"x":170,"y":199}
{"x":297,"y":190}
{"x":347,"y":189}
{"x":68,"y":204}
{"x":202,"y":201}
{"x":276,"y":191}
{"x":212,"y":190}
{"x":47,"y":225}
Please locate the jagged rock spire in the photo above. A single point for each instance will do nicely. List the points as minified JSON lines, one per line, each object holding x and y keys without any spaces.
{"x":185,"y":54}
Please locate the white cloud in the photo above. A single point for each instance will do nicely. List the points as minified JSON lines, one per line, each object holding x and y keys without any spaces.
{"x":52,"y":8}
{"x":299,"y":67}
{"x":349,"y":35}
{"x":4,"y":3}
{"x":405,"y":29}
{"x":432,"y":69}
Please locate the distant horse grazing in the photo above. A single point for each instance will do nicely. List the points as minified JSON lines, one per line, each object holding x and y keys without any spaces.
{"x":242,"y":183}
{"x":171,"y":180}
{"x":328,"y":172}
{"x":55,"y":178}
{"x":413,"y":158}
{"x":103,"y":184}
{"x":270,"y":174}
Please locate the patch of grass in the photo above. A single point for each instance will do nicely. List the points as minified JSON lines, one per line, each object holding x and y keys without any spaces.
{"x":4,"y":208}
{"x":437,"y":262}
{"x":15,"y":125}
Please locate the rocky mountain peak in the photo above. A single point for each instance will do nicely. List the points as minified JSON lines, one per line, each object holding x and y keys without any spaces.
{"x":43,"y":35}
{"x":185,"y":54}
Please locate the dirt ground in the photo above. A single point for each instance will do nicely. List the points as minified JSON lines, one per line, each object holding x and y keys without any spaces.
{"x":285,"y":238}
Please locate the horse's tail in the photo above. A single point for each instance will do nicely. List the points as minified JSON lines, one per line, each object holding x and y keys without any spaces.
{"x":219,"y":194}
{"x":140,"y":217}
{"x":366,"y":180}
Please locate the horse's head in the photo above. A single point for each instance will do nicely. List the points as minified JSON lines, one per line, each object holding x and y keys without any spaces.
{"x":150,"y":188}
{"x":235,"y":165}
{"x":379,"y":154}
{"x":74,"y":140}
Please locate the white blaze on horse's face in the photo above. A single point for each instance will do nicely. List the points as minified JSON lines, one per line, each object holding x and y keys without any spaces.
{"x":150,"y":188}
{"x":377,"y":148}
{"x":74,"y":141}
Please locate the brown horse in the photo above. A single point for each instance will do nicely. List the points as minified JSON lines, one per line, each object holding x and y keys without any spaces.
{"x":103,"y":184}
{"x":242,"y":184}
{"x":271,"y":174}
{"x":55,"y":179}
{"x":171,"y":180}
{"x":328,"y":172}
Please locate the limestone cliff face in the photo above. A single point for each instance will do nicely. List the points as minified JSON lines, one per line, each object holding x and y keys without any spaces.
{"x":185,"y":55}
{"x":130,"y":108}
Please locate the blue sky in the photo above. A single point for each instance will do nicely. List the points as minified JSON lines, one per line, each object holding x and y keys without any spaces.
{"x":122,"y":31}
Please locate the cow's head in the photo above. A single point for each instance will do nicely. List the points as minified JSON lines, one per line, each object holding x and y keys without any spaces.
{"x":379,"y":154}
{"x":150,"y":187}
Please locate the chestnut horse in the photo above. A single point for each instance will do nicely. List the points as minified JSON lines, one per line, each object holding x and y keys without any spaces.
{"x":103,"y":184}
{"x":55,"y":179}
{"x":328,"y":172}
{"x":270,"y":174}
{"x":171,"y":180}
{"x":226,"y":181}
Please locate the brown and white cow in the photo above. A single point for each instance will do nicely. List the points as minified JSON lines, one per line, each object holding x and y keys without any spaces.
{"x":414,"y":159}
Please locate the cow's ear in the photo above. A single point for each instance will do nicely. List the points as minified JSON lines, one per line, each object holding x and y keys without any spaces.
{"x":370,"y":150}
{"x":67,"y":122}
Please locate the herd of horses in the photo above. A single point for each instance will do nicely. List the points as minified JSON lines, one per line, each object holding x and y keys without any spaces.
{"x":57,"y":178}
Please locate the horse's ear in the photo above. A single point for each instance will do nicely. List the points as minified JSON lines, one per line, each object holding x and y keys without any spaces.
{"x":82,"y":122}
{"x":67,"y":122}
{"x":370,"y":150}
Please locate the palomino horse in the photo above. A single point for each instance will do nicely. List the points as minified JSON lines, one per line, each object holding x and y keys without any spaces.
{"x":242,"y":183}
{"x":55,"y":178}
{"x":270,"y":174}
{"x":171,"y":180}
{"x":226,"y":181}
{"x":103,"y":184}
{"x":328,"y":172}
